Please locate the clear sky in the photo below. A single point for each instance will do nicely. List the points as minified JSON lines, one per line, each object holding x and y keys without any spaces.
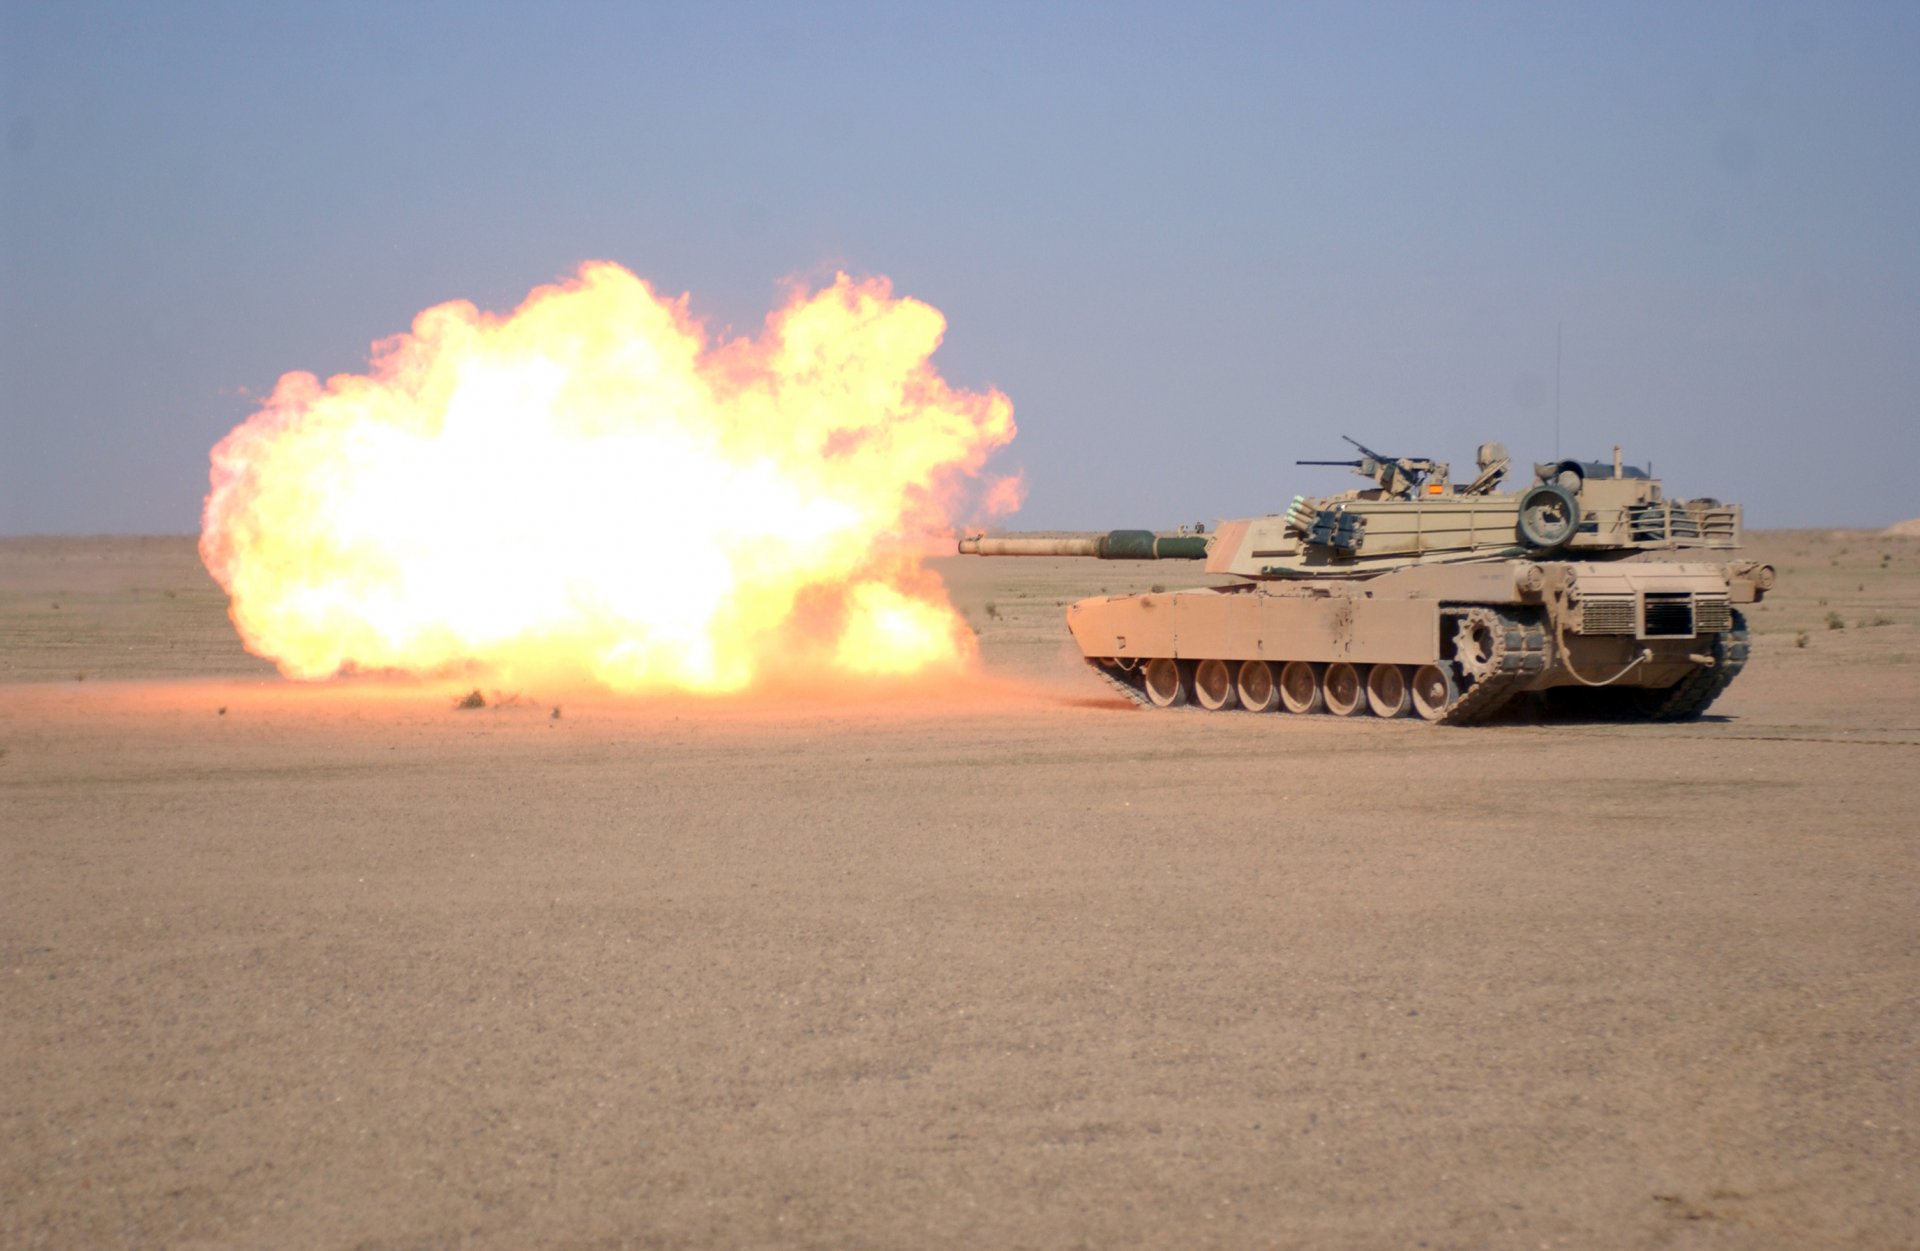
{"x":1192,"y":242}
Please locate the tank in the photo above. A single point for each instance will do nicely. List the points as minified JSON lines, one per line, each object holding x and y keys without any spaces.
{"x":1418,"y":596}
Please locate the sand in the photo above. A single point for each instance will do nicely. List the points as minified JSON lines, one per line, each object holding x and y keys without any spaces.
{"x":1905,"y":529}
{"x":1003,"y":964}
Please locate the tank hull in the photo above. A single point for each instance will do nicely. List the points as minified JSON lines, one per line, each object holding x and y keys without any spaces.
{"x":1661,"y":639}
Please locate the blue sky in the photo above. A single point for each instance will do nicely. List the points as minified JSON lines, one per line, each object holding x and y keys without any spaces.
{"x":1192,"y":243}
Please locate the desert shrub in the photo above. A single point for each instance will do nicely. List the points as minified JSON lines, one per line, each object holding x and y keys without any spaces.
{"x":472,"y":699}
{"x":1156,"y":589}
{"x":1800,"y":639}
{"x":1836,"y":622}
{"x":1879,"y":619}
{"x":993,"y":611}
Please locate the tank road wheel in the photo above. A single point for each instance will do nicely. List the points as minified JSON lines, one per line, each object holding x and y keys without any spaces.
{"x":1169,"y":682}
{"x":1345,"y":693}
{"x":1300,"y":688}
{"x":1258,"y":691}
{"x":1213,"y":686}
{"x":1433,"y":691}
{"x":1387,"y":691}
{"x":1549,"y":516}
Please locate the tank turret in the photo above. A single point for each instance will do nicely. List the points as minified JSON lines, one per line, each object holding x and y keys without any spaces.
{"x":1417,"y":595}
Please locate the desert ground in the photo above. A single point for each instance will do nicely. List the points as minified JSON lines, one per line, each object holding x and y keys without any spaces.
{"x":1002,"y":963}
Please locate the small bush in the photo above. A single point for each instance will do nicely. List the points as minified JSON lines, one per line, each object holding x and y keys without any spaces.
{"x":1800,"y":639}
{"x":993,"y":611}
{"x":1879,"y":619}
{"x":555,"y":714}
{"x":1836,"y":622}
{"x":472,"y":699}
{"x":1157,"y":589}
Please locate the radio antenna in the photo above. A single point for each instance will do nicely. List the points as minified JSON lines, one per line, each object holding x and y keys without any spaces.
{"x":1558,"y":328}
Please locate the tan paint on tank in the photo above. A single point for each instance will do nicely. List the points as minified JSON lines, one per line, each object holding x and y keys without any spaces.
{"x":1228,"y":538}
{"x":1252,"y":625}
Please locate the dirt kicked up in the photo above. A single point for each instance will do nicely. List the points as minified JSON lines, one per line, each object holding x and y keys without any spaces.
{"x":1002,"y":963}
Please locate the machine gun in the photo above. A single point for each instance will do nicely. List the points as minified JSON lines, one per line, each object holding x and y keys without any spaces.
{"x":1398,"y":476}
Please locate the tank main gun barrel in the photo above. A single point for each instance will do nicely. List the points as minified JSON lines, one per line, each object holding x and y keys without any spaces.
{"x":1114,"y":545}
{"x":981,"y":545}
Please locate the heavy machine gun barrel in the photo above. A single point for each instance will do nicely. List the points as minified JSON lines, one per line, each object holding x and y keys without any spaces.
{"x":1398,"y":476}
{"x":1114,"y":545}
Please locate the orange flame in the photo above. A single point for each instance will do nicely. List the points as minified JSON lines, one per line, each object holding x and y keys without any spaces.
{"x":588,"y":487}
{"x":1003,"y":496}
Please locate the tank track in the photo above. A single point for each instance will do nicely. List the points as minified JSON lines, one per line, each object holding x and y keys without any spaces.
{"x":1131,"y":689}
{"x":1688,"y":698}
{"x":1520,"y":656}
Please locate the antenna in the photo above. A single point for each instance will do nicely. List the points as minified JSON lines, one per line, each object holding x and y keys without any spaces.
{"x":1558,"y":328}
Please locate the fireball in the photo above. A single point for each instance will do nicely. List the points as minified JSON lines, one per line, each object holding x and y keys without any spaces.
{"x":591,"y":487}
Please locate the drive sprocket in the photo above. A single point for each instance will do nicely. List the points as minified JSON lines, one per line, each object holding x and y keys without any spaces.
{"x":1479,"y":643}
{"x":1499,"y":654}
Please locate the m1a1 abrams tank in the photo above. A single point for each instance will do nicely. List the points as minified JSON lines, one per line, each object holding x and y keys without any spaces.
{"x":1421,"y":596}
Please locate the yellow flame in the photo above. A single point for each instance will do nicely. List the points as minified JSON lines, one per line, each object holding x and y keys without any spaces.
{"x":588,"y":486}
